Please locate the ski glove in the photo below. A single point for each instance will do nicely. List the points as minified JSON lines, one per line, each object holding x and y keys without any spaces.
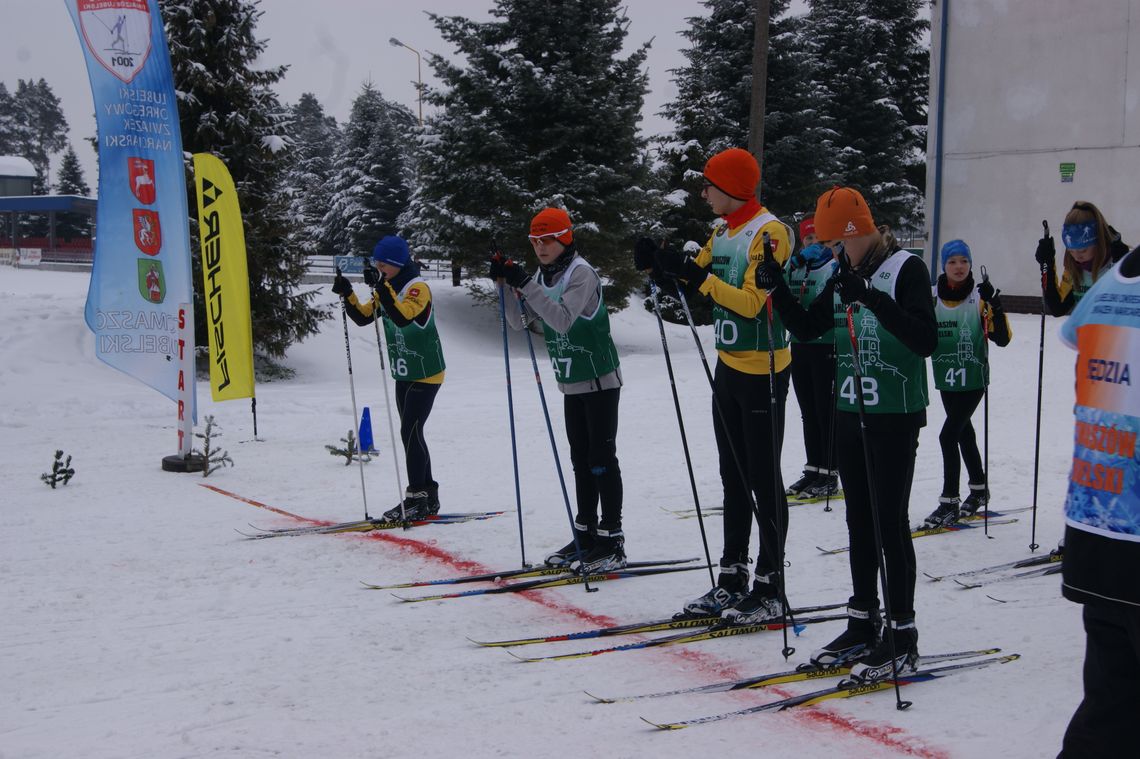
{"x":853,"y":288}
{"x":986,"y":291}
{"x":677,"y":264}
{"x":495,"y":265}
{"x":644,"y":254}
{"x":373,"y":277}
{"x":514,"y":274}
{"x":1046,"y":252}
{"x":342,"y":286}
{"x":769,"y":275}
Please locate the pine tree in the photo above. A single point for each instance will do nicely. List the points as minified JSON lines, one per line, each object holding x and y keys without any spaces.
{"x":228,"y":108}
{"x":869,"y":55}
{"x":372,"y":176}
{"x":45,"y":128}
{"x":712,"y":110}
{"x":316,"y":142}
{"x":544,"y":111}
{"x":70,"y":181}
{"x":11,"y":125}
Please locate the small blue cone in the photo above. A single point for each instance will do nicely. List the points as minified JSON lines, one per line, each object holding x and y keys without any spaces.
{"x":365,"y":436}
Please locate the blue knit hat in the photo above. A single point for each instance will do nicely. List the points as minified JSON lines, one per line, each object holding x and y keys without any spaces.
{"x":392,"y":250}
{"x":955,"y":248}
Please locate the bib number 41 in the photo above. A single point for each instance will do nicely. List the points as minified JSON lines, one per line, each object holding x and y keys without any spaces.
{"x":870,"y":387}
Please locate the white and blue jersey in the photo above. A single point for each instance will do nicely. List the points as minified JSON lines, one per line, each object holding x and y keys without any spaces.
{"x":1104,"y":483}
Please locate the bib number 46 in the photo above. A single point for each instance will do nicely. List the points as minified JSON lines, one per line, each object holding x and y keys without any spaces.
{"x":870,"y":391}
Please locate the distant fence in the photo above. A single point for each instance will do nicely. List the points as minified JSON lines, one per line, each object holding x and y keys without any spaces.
{"x":323,"y":268}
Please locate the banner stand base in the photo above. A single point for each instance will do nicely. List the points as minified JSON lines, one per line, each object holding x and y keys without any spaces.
{"x":179,"y":463}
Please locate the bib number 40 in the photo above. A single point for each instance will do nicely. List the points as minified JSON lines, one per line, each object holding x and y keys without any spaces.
{"x":870,"y":391}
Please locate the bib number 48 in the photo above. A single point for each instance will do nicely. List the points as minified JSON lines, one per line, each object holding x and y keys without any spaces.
{"x":870,"y":391}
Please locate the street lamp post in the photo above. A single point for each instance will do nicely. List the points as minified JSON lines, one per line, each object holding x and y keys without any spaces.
{"x":419,"y":74}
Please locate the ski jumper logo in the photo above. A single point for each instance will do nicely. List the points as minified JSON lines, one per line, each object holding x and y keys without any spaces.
{"x":140,"y":172}
{"x":117,"y":32}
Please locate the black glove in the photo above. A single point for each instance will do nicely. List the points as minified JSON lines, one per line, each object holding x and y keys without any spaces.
{"x":1046,"y":252}
{"x":514,"y":274}
{"x":1117,"y":249}
{"x":769,"y":275}
{"x":985,"y":291}
{"x":677,"y":264}
{"x":341,"y":286}
{"x":644,"y":251}
{"x":495,"y":265}
{"x":373,"y":277}
{"x":851,"y":287}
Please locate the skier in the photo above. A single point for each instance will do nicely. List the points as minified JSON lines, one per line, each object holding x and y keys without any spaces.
{"x":1102,"y":515}
{"x":1091,"y":248}
{"x":885,"y":292}
{"x":813,"y":370}
{"x":967,"y":318}
{"x":415,"y":355}
{"x":566,"y":294}
{"x":742,"y":421}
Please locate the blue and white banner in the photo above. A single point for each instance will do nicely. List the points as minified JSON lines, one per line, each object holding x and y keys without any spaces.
{"x":142,"y":249}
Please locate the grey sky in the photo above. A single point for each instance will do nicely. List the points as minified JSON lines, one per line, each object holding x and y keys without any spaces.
{"x":331,"y":47}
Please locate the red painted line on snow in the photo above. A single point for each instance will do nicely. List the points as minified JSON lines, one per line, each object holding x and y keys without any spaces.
{"x":887,"y":736}
{"x":265,"y":506}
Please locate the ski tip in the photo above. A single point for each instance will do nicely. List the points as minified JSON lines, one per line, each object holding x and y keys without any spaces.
{"x":599,"y":699}
{"x":797,"y":629}
{"x":661,"y":725}
{"x":527,"y":659}
{"x":933,"y":578}
{"x":966,"y":585}
{"x":994,"y":598}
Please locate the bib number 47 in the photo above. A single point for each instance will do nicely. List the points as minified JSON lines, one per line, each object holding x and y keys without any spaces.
{"x":561,"y":367}
{"x":870,"y":387}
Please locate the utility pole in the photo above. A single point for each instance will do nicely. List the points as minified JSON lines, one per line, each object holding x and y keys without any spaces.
{"x":759,"y":83}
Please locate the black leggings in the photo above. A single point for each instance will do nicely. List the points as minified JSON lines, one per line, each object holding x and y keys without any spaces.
{"x":958,"y":433}
{"x":745,"y":400}
{"x":891,"y":445}
{"x":413,"y":402}
{"x":591,"y":428}
{"x":813,"y":377}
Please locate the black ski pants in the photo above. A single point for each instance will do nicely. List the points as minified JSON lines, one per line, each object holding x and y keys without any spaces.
{"x":958,"y":434}
{"x":742,"y":422}
{"x":1104,"y":724}
{"x":591,"y":428}
{"x":413,"y":402}
{"x":813,"y":377}
{"x":891,"y":446}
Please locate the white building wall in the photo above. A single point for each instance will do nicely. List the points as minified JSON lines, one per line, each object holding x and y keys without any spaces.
{"x":1031,"y":84}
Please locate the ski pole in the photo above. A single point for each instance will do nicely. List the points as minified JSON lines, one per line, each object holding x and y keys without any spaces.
{"x":511,"y":417}
{"x":352,"y":392}
{"x":681,"y":427}
{"x":874,"y":499}
{"x":831,"y":428}
{"x":779,"y":502}
{"x":1040,"y":375}
{"x":378,"y":314}
{"x":553,"y":443}
{"x":986,"y":412}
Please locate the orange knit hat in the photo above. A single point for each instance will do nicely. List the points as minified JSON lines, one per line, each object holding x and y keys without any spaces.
{"x":841,"y":212}
{"x":552,"y":222}
{"x":734,"y":172}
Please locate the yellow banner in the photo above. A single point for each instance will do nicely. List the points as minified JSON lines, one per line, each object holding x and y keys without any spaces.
{"x":225,"y":278}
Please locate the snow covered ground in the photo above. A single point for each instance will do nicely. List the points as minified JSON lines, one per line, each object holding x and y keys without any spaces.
{"x":137,"y":623}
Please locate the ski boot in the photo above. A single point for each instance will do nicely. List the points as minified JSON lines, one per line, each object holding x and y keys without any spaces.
{"x":568,"y":554}
{"x":946,"y":514}
{"x":759,"y":606}
{"x":977,"y":500}
{"x":607,"y":554}
{"x":731,"y":584}
{"x":862,"y":634}
{"x":416,"y":506}
{"x":826,"y":485}
{"x":433,"y":498}
{"x":797,"y":488}
{"x":879,"y":664}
